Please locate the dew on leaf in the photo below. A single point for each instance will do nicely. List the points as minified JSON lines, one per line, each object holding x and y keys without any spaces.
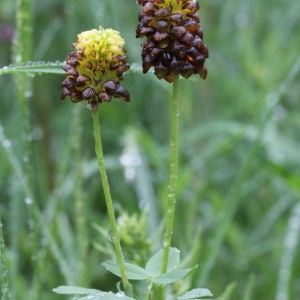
{"x":30,"y":74}
{"x":110,"y":236}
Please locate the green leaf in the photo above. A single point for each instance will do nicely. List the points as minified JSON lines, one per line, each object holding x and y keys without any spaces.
{"x":92,"y":294}
{"x":74,"y":290}
{"x":107,"y":296}
{"x":40,"y":67}
{"x":195,"y":294}
{"x":172,"y":276}
{"x":133,"y":272}
{"x":153,"y":266}
{"x":32,"y":68}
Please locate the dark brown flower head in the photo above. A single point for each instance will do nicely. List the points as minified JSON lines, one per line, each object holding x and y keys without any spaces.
{"x":95,"y":69}
{"x":174,"y":40}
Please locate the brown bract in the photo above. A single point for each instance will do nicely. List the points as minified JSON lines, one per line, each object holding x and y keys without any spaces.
{"x":174,"y":40}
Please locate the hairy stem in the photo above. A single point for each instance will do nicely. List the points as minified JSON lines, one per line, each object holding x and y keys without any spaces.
{"x":173,"y":180}
{"x":80,"y":208}
{"x":109,"y":204}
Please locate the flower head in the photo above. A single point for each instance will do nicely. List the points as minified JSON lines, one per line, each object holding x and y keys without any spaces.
{"x":95,"y":68}
{"x":174,"y":40}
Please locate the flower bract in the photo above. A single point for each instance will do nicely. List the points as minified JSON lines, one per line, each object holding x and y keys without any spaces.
{"x":174,"y":39}
{"x":94,"y":70}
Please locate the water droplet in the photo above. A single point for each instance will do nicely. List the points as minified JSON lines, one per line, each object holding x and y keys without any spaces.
{"x":120,"y":294}
{"x":28,"y":94}
{"x":28,"y":201}
{"x":130,"y":173}
{"x":25,"y":159}
{"x":7,"y":143}
{"x":110,"y":236}
{"x":18,"y":58}
{"x":30,"y":74}
{"x":37,"y":133}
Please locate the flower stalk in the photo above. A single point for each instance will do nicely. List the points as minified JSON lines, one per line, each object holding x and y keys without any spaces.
{"x":173,"y":174}
{"x":94,"y":71}
{"x":80,"y":206}
{"x":173,"y":47}
{"x":109,"y":204}
{"x":173,"y":181}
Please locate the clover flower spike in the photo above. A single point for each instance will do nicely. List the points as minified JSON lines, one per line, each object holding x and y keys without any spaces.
{"x":174,"y":39}
{"x":94,"y":70}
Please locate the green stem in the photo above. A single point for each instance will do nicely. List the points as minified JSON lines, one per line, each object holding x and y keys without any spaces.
{"x":149,"y":293}
{"x":4,"y":285}
{"x":23,"y":38}
{"x":109,"y":204}
{"x":22,"y":53}
{"x":173,"y":180}
{"x":80,"y":209}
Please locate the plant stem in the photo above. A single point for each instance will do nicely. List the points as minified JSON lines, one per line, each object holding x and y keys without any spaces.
{"x":4,"y":284}
{"x":109,"y":204}
{"x":173,"y":180}
{"x":22,"y":53}
{"x":289,"y":254}
{"x":80,"y":209}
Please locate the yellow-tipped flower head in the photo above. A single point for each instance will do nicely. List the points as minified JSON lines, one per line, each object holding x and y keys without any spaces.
{"x":95,"y":69}
{"x":174,"y":40}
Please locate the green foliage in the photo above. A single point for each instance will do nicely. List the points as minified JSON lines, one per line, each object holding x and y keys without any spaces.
{"x":92,"y":294}
{"x":238,"y":181}
{"x":99,"y":295}
{"x":195,"y":294}
{"x":152,"y":270}
{"x":73,"y":290}
{"x":35,"y":67}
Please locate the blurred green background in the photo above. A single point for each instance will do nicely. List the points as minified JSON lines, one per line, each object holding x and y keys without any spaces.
{"x":238,"y":213}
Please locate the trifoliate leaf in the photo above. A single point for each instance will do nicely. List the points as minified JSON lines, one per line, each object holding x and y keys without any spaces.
{"x":92,"y":294}
{"x":75,"y":290}
{"x":133,"y":272}
{"x":172,"y":276}
{"x":107,"y":296}
{"x":195,"y":294}
{"x":153,"y":266}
